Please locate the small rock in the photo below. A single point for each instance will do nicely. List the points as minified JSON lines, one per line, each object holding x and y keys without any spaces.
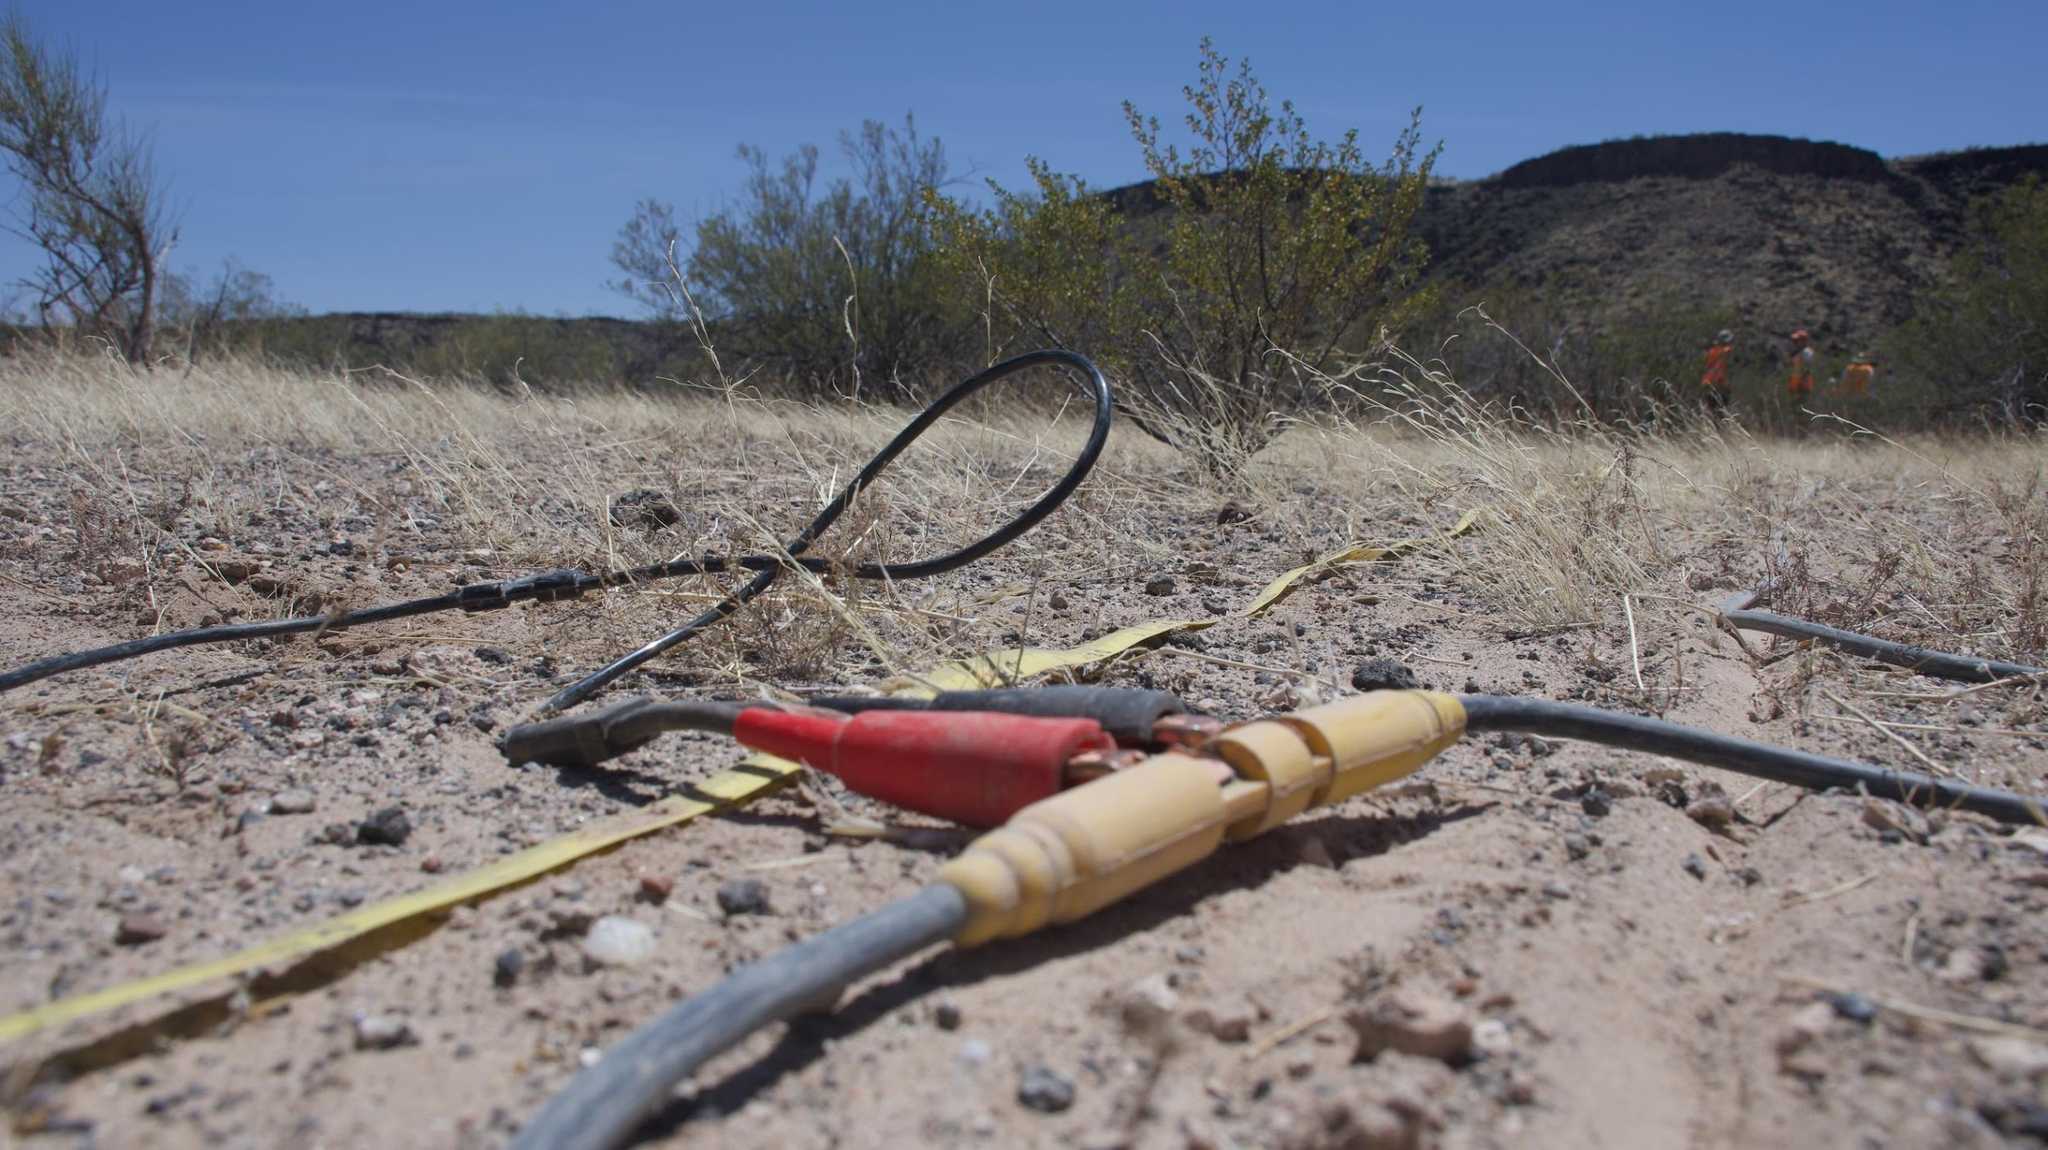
{"x":139,"y":929}
{"x":1045,"y":1091}
{"x":1713,"y":812}
{"x":1965,"y":964}
{"x":1383,"y":675}
{"x":744,"y":896}
{"x":656,"y":888}
{"x":292,"y":803}
{"x":1231,"y":512}
{"x":494,"y":655}
{"x":1224,"y":1023}
{"x":510,"y":964}
{"x":378,"y":1032}
{"x":1807,"y":1024}
{"x":1853,"y":1007}
{"x":1556,"y":890}
{"x":1596,"y":802}
{"x":616,"y":940}
{"x":1695,"y":866}
{"x":2011,"y":1056}
{"x":1147,"y":1002}
{"x":974,"y":1052}
{"x":1492,"y":1038}
{"x":1412,"y":1023}
{"x":946,"y":1016}
{"x":1057,"y":601}
{"x":388,"y":827}
{"x":1577,"y":847}
{"x":1160,"y":585}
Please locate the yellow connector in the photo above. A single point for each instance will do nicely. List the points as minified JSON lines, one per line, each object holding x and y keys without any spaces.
{"x":1075,"y":853}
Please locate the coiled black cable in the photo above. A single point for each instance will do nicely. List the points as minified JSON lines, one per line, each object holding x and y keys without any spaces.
{"x":1760,"y":760}
{"x":550,"y":586}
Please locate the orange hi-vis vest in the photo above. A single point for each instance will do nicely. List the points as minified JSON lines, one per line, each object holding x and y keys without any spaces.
{"x":1857,"y":376}
{"x":1801,"y":382}
{"x":1716,"y":376}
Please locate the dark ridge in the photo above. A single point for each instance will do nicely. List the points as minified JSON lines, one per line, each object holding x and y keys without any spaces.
{"x":1698,"y":157}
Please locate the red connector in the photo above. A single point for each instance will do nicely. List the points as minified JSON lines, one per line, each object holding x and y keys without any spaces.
{"x":973,"y":767}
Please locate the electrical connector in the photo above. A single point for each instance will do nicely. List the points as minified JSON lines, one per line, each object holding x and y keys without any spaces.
{"x":974,"y":768}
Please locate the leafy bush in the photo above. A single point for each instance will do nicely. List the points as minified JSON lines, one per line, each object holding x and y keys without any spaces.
{"x":1981,"y":345}
{"x":835,"y":288}
{"x":1278,"y":256}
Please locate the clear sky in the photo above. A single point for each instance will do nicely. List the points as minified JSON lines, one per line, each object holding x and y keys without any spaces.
{"x":443,"y":155}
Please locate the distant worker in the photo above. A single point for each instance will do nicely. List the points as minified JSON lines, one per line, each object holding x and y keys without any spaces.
{"x":1714,"y":382}
{"x":1857,"y":377}
{"x":1800,"y":384}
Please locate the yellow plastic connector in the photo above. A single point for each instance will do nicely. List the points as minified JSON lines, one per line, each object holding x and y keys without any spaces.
{"x":1075,"y":853}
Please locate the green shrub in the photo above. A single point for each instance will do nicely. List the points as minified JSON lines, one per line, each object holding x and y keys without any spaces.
{"x":1277,"y":257}
{"x":833,"y":289}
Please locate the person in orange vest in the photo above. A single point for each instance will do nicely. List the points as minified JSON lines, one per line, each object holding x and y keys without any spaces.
{"x":1857,"y":376}
{"x":1714,"y":381}
{"x":1800,"y":384}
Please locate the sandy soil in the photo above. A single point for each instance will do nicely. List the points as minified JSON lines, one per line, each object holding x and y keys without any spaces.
{"x":1635,"y":977}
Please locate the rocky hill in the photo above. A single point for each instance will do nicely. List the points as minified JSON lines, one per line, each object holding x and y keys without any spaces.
{"x":1781,"y":232}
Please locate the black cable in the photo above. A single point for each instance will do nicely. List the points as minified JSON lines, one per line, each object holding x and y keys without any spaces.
{"x":591,"y":737}
{"x":1778,"y":764}
{"x":603,"y":1105}
{"x":551,"y":586}
{"x":1938,"y":664}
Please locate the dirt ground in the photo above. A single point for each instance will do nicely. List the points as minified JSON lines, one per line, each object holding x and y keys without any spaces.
{"x":1820,"y":970}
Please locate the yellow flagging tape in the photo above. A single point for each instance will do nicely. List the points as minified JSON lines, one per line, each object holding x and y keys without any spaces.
{"x":995,"y":668}
{"x":760,"y":773}
{"x":756,"y":776}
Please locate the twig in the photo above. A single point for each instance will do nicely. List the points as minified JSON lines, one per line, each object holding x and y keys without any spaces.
{"x":1293,"y":1029}
{"x":1801,"y":898}
{"x":1635,"y":657}
{"x":1939,"y":728}
{"x":1887,"y":732}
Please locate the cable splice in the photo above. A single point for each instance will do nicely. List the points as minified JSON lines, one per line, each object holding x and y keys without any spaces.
{"x":1760,"y":760}
{"x":553,"y":586}
{"x":1083,"y":849}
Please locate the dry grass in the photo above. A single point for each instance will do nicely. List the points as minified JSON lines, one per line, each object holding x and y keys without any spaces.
{"x":1946,"y":541}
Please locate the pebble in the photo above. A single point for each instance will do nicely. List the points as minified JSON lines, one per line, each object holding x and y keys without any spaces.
{"x":139,"y":929}
{"x":1806,"y":1024}
{"x":1596,"y":803}
{"x":388,"y":827}
{"x":377,"y":1032}
{"x":1853,"y":1007}
{"x":744,"y":896}
{"x":656,"y":888}
{"x":1695,"y":866}
{"x":1149,"y":1001}
{"x":1045,"y":1091}
{"x":292,"y":803}
{"x":946,"y":1016}
{"x":1492,"y":1038}
{"x":1413,"y":1023}
{"x":1556,"y":890}
{"x":1383,"y":675}
{"x":974,"y":1052}
{"x":2011,"y":1056}
{"x":1576,"y":846}
{"x":1224,"y":1022}
{"x":616,"y":940}
{"x":509,"y":965}
{"x":1163,"y":585}
{"x":1711,"y":811}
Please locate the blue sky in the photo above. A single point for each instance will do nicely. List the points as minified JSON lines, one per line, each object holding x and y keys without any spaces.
{"x":478,"y":156}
